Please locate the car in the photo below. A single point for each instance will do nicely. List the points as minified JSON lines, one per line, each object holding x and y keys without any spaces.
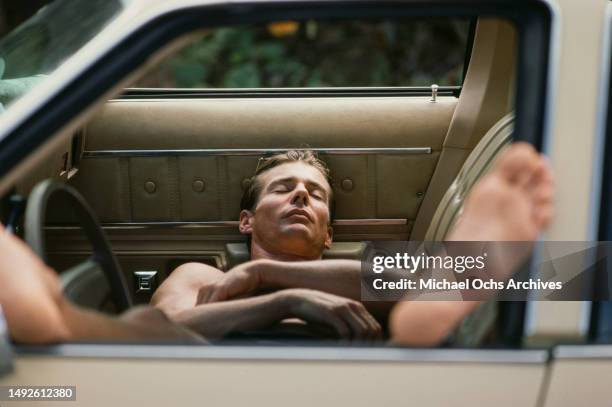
{"x":149,"y":111}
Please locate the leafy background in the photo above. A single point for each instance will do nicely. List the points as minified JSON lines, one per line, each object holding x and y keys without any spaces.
{"x":320,"y":54}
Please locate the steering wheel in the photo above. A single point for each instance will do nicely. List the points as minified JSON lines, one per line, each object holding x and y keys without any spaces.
{"x":92,"y":282}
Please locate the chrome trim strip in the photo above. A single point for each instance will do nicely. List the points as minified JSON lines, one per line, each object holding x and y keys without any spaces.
{"x":287,"y":353}
{"x":425,"y":89}
{"x":230,"y":223}
{"x":251,"y":152}
{"x":583,"y":352}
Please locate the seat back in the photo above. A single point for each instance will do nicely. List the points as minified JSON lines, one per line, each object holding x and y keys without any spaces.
{"x":239,"y":252}
{"x":476,"y":165}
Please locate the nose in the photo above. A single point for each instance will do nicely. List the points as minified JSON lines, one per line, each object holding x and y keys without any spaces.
{"x":300,"y":195}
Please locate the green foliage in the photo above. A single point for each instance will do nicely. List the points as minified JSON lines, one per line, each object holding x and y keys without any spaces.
{"x":320,"y":54}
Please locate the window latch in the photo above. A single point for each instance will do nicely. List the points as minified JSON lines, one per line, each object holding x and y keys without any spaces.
{"x":434,"y":93}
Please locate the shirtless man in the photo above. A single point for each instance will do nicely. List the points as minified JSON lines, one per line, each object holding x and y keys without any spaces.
{"x":287,"y":214}
{"x":512,"y":202}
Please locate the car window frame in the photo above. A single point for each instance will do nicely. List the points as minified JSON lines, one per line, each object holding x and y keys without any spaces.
{"x":601,"y":217}
{"x":534,"y":20}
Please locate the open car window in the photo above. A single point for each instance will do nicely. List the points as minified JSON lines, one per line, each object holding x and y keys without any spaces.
{"x":319,"y":53}
{"x":187,"y":157}
{"x":178,"y":165}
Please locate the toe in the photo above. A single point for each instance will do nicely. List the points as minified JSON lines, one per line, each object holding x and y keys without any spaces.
{"x":543,"y":216}
{"x":518,"y":163}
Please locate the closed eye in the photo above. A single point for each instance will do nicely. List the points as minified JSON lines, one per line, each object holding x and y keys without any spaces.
{"x":281,"y":189}
{"x":317,"y":195}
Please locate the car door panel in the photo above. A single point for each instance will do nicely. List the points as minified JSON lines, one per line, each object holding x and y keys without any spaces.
{"x":297,"y":376}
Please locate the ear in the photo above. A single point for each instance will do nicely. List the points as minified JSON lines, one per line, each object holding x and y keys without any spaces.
{"x":246,"y":222}
{"x":329,"y":237}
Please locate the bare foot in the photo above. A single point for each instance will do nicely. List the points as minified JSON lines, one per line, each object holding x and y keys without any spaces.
{"x":513,"y":202}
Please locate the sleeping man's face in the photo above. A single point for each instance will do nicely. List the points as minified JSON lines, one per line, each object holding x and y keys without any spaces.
{"x":291,"y":217}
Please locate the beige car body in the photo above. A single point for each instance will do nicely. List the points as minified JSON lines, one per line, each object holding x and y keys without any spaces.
{"x":574,"y":137}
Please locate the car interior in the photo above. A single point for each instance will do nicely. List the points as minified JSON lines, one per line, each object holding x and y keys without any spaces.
{"x":176,"y":167}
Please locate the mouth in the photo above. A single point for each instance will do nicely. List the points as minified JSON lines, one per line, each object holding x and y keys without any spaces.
{"x":298,"y":214}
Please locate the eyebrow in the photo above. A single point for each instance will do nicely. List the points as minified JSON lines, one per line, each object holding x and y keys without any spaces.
{"x":293,"y":180}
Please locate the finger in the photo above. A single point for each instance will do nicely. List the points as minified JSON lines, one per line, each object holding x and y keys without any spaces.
{"x":356,"y":322}
{"x":373,"y":330}
{"x":375,"y":327}
{"x":341,"y":327}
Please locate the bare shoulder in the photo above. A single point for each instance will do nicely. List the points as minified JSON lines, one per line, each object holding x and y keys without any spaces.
{"x":194,"y":273}
{"x":180,"y":289}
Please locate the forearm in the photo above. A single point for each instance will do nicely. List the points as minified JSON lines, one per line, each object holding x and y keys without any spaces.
{"x":339,"y":277}
{"x":142,"y":324}
{"x":65,"y":322}
{"x":215,"y":320}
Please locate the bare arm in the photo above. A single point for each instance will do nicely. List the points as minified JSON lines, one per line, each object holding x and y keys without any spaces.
{"x":348,"y":318}
{"x":338,"y":277}
{"x":37,"y":312}
{"x":141,"y":324}
{"x":221,"y":318}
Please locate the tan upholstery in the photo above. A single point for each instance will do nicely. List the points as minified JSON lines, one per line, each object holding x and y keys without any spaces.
{"x":238,"y":252}
{"x":487,"y":96}
{"x":477,"y":164}
{"x":373,"y":122}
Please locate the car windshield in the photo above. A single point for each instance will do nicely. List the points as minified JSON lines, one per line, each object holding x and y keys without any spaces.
{"x":41,"y":44}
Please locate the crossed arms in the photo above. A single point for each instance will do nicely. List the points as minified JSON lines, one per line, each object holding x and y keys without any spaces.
{"x":323,"y":292}
{"x":319,"y":292}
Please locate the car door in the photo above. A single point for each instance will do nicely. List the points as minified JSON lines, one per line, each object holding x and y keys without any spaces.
{"x":322,"y":374}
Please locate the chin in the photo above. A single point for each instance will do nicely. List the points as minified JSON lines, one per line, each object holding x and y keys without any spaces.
{"x":297,"y":233}
{"x":297,"y":229}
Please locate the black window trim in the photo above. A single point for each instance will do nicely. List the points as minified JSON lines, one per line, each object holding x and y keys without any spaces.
{"x":601,"y":217}
{"x":195,"y":93}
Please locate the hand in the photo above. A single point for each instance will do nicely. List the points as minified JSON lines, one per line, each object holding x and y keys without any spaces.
{"x":241,"y":281}
{"x":347,"y":317}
